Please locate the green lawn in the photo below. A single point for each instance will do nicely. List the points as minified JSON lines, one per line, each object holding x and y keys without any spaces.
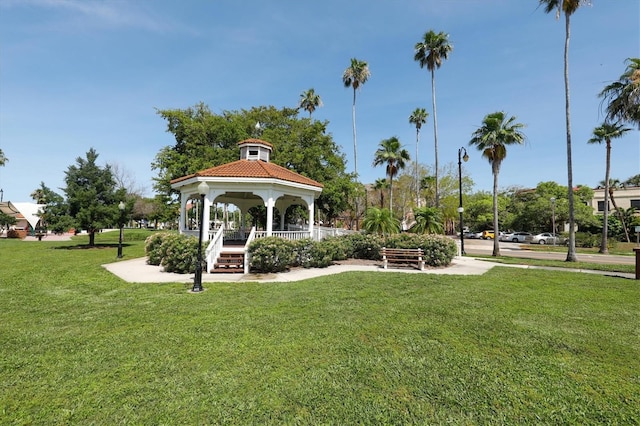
{"x":514,"y":346}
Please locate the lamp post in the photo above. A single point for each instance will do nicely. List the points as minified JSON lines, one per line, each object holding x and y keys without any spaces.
{"x":460,"y":208}
{"x":1,"y":194}
{"x":553,"y":219}
{"x":203,"y":189}
{"x":121,"y":207}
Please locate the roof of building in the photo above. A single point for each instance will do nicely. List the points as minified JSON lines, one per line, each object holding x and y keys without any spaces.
{"x":252,"y":169}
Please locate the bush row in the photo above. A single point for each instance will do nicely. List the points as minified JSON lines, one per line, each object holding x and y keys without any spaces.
{"x":178,"y":253}
{"x":274,"y":254}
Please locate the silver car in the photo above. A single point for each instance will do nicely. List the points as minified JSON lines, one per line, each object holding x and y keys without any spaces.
{"x":545,"y":238}
{"x":516,"y":237}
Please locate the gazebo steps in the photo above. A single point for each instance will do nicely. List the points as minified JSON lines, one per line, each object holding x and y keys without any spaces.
{"x":229,"y":262}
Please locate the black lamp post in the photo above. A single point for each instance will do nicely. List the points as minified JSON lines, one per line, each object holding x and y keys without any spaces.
{"x":121,"y":206}
{"x":553,"y":218}
{"x":1,"y":195}
{"x":203,"y":189}
{"x":460,"y":208}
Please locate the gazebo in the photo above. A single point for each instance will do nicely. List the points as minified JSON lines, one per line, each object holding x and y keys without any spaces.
{"x":251,"y":181}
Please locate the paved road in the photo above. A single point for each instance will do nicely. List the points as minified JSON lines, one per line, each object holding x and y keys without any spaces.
{"x":485,"y":247}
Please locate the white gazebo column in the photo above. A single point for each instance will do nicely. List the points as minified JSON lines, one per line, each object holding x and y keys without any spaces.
{"x":182,"y":225}
{"x":282,"y":214}
{"x":206,"y":217}
{"x":269,"y":204}
{"x":311,"y":218}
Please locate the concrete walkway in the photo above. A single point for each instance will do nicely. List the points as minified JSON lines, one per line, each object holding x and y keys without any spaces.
{"x":138,"y":271}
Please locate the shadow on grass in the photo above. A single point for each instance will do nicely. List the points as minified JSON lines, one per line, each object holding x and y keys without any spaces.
{"x":97,"y":246}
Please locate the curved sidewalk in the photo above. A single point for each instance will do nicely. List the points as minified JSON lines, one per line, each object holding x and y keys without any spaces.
{"x":138,"y":271}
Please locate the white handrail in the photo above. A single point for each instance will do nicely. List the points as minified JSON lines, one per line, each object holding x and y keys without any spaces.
{"x":214,"y":248}
{"x":251,"y":237}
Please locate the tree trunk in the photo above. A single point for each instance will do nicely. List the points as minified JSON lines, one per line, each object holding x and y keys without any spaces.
{"x":496,"y":243}
{"x":417,"y":183}
{"x":619,"y":214}
{"x":571,"y":253}
{"x":604,"y":247}
{"x":435,"y":132}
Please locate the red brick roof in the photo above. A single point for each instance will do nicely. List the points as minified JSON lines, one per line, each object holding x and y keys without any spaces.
{"x":252,"y":169}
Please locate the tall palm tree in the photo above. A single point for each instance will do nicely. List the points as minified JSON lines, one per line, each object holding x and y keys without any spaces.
{"x":418,"y":117}
{"x":355,"y":76}
{"x":430,"y":51}
{"x":309,"y":101}
{"x":568,"y":7}
{"x":492,"y":138}
{"x":623,"y":96}
{"x":605,"y":133}
{"x":391,"y":154}
{"x":381,"y":184}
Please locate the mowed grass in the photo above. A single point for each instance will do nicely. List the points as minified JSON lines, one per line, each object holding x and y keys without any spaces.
{"x":514,"y":346}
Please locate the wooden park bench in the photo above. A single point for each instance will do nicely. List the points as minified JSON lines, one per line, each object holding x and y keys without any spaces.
{"x":403,"y":256}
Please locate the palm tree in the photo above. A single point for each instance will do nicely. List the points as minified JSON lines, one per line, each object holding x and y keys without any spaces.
{"x":606,"y":132}
{"x":3,"y":159}
{"x":428,"y":221}
{"x":568,"y":7}
{"x":391,"y":154}
{"x":418,"y":117}
{"x":380,"y":221}
{"x":355,"y":76}
{"x":381,"y":184}
{"x":623,"y":96}
{"x":309,"y":101}
{"x":492,"y":138}
{"x":633,"y":181}
{"x":430,"y":51}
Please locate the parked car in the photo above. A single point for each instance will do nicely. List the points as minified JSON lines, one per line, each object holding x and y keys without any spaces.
{"x":545,"y":238}
{"x":473,"y":235}
{"x":517,"y":237}
{"x":488,"y":234}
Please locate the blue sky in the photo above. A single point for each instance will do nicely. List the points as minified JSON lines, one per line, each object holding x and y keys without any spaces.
{"x":76,"y":74}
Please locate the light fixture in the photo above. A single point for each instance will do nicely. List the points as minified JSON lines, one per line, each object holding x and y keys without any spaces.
{"x":121,"y":207}
{"x":460,"y":208}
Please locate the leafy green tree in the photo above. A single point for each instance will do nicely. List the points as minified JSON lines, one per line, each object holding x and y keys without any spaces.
{"x":54,"y":214}
{"x":604,"y":133}
{"x":205,"y":140}
{"x":6,"y":220}
{"x":309,"y":101}
{"x":430,"y":52}
{"x":568,"y":8}
{"x":428,"y":221}
{"x":91,"y":194}
{"x":355,"y":76}
{"x":391,"y":154}
{"x":3,"y":159}
{"x":418,"y":117}
{"x":492,"y":138}
{"x":623,"y":96}
{"x":380,"y":221}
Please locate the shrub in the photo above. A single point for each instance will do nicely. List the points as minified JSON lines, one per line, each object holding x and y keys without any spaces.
{"x":587,"y":240}
{"x":363,"y":246}
{"x":153,"y":247}
{"x":338,"y":247}
{"x":271,"y":254}
{"x":180,"y":253}
{"x":303,"y":250}
{"x":14,"y":233}
{"x":438,"y":249}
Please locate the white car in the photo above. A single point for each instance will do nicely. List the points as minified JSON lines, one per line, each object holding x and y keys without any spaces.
{"x":545,"y":238}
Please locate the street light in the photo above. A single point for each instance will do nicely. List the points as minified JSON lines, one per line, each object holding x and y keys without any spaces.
{"x":460,"y":208}
{"x":203,"y":190}
{"x":1,"y":194}
{"x":553,"y":218}
{"x":121,"y":206}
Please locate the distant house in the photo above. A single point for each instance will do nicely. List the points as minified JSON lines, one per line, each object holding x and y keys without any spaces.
{"x":625,"y":198}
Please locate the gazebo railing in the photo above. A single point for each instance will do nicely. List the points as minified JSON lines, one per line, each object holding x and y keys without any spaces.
{"x":287,"y":235}
{"x":214,"y":248}
{"x":247,"y":256}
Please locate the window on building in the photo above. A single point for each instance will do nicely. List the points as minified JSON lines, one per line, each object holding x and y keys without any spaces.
{"x":601,"y":206}
{"x":635,"y":203}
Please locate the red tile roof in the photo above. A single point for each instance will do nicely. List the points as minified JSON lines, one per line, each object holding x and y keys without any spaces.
{"x":252,"y":169}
